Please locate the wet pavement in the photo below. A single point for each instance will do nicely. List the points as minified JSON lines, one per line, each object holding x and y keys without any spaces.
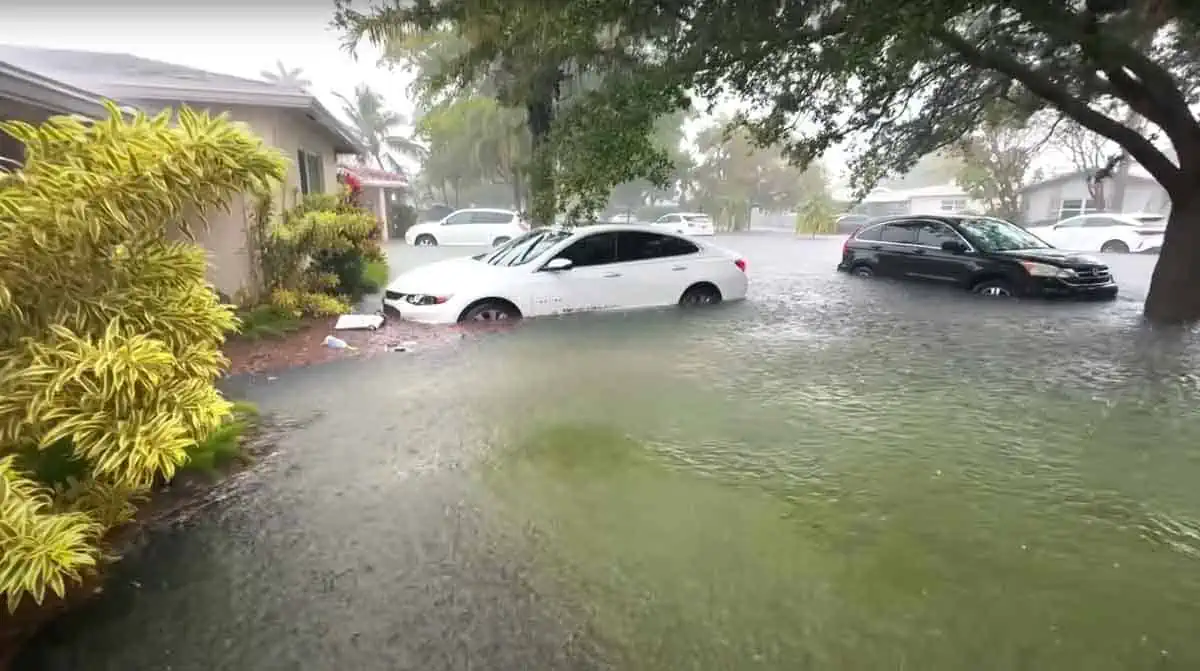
{"x":835,"y":474}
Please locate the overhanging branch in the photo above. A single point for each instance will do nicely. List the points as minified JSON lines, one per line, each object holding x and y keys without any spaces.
{"x":1138,"y":146}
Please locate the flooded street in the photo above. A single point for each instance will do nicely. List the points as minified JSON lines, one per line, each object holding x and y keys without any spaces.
{"x":835,"y":474}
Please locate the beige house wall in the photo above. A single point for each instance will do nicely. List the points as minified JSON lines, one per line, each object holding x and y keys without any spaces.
{"x":225,"y":237}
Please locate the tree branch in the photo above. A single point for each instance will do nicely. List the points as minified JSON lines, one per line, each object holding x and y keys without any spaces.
{"x":1037,"y":82}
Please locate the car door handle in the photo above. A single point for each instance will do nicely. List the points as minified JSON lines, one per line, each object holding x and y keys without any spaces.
{"x":610,"y":275}
{"x":876,"y":246}
{"x":918,"y":251}
{"x":679,"y":268}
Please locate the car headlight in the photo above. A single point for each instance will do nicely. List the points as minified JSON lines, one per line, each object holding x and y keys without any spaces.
{"x":1047,"y":270}
{"x":425,"y":299}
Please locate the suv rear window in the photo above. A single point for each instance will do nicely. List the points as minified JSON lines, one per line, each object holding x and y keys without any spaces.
{"x":905,"y":233}
{"x":871,"y":233}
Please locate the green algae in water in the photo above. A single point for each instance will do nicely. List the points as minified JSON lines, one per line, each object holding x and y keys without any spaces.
{"x":680,"y":569}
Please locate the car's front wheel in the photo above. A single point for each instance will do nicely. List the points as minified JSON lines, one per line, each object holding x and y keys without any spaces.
{"x":425,"y":240}
{"x":996,"y":288}
{"x":490,"y":311}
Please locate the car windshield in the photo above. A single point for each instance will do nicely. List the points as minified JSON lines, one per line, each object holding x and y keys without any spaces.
{"x":524,"y":248}
{"x":997,"y":235}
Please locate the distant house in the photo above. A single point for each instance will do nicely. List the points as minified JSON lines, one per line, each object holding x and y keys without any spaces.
{"x":940,"y":199}
{"x":38,"y":83}
{"x":1067,"y":195}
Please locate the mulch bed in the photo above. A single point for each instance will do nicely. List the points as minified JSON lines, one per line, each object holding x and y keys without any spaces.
{"x":167,"y":505}
{"x":305,"y":346}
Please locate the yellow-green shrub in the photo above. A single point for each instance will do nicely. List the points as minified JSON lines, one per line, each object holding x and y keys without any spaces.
{"x":109,"y":335}
{"x":315,"y":254}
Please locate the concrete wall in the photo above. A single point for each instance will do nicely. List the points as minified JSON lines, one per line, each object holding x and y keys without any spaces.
{"x":225,"y":237}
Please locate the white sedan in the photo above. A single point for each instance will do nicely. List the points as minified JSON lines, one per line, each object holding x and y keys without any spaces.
{"x":686,"y":223}
{"x":477,"y":226}
{"x":553,"y":271}
{"x":1106,"y":232}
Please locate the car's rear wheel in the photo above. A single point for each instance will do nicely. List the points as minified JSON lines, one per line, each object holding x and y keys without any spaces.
{"x":699,"y":295}
{"x":425,"y":240}
{"x":862,"y":270}
{"x":488,"y":311}
{"x":500,"y":241}
{"x":996,"y":288}
{"x":1115,"y":247}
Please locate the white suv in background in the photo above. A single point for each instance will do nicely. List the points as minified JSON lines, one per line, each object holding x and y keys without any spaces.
{"x":1106,"y":232}
{"x":686,"y":223}
{"x":477,"y":226}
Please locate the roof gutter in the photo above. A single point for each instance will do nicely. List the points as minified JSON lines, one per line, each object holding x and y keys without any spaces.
{"x":34,"y":89}
{"x":345,"y":141}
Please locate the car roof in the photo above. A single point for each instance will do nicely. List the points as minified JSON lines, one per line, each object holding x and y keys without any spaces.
{"x":484,"y":209}
{"x":614,"y":228}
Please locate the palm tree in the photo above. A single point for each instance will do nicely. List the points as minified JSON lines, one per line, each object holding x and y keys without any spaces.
{"x":285,"y":76}
{"x":373,"y":122}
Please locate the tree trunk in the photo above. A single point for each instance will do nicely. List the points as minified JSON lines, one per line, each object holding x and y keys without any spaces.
{"x":1174,"y":296}
{"x":1120,"y":184}
{"x":518,"y":191}
{"x":541,"y":171}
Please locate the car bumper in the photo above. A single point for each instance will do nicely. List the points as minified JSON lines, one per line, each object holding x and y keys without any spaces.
{"x":1053,"y":288}
{"x":446,"y":313}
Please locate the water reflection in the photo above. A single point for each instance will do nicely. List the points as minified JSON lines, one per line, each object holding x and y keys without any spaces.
{"x":836,"y":474}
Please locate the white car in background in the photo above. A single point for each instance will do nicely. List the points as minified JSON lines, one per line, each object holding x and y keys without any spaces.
{"x":686,"y":223}
{"x":1106,"y":232}
{"x":472,"y":226}
{"x":554,"y":271}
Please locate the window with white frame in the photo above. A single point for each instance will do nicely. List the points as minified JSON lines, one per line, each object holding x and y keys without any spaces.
{"x":312,"y":172}
{"x":1072,"y":207}
{"x":954,"y":205}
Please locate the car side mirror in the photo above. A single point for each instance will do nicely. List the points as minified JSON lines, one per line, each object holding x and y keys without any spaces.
{"x":558,"y":264}
{"x":954,"y":246}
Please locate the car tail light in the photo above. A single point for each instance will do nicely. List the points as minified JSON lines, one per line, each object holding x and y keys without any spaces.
{"x":741,"y":264}
{"x":846,"y":244}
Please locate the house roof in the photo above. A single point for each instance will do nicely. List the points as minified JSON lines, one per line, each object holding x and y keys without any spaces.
{"x":34,"y":89}
{"x":375,"y":176}
{"x":131,"y":78}
{"x":1136,"y":172}
{"x":886,"y":195}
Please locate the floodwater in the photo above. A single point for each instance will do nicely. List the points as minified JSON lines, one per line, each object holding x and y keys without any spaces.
{"x":835,"y":474}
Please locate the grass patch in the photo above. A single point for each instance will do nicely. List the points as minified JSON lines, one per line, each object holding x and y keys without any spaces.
{"x":268,"y":321}
{"x":223,"y":446}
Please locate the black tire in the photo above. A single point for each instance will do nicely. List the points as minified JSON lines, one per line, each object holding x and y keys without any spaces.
{"x":1115,"y":247}
{"x":862,"y":270}
{"x":490,"y":310}
{"x":425,"y":240}
{"x":500,"y":240}
{"x":700,"y":295}
{"x":994,"y":288}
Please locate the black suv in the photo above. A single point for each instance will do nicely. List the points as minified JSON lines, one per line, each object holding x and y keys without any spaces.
{"x":984,"y":255}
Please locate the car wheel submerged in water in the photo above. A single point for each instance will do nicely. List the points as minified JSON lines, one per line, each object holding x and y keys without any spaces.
{"x":489,"y":311}
{"x":1115,"y":247}
{"x":862,"y":270}
{"x":996,"y":288}
{"x":425,"y":241}
{"x":699,"y":295}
